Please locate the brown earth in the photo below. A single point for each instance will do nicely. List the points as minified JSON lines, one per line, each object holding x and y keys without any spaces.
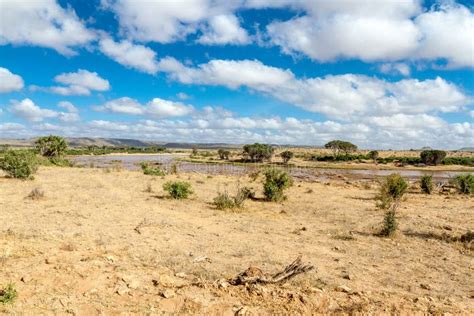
{"x":99,"y":241}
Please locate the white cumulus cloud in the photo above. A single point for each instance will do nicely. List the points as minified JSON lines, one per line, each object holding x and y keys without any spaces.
{"x":9,"y":82}
{"x":130,"y":55}
{"x":157,"y":107}
{"x":42,"y":23}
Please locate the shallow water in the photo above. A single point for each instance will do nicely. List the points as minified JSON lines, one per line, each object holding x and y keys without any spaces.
{"x":132,"y":162}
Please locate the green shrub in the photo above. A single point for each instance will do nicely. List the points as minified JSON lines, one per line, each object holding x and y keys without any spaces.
{"x":465,"y":183}
{"x":151,"y":171}
{"x":276,"y":181}
{"x":258,"y":152}
{"x":8,"y":294}
{"x":286,"y":156}
{"x":432,"y":157}
{"x":373,"y":154}
{"x":247,"y":192}
{"x":339,"y":146}
{"x":51,"y":146}
{"x":224,"y":200}
{"x":391,"y":190}
{"x":426,"y":184}
{"x":21,"y":164}
{"x":178,"y":189}
{"x":389,"y":223}
{"x":223,"y":154}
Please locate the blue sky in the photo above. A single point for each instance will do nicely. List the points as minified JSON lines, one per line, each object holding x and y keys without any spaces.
{"x":392,"y":74}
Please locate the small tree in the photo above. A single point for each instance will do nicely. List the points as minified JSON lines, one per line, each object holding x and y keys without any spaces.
{"x":21,"y":164}
{"x":194,"y":151}
{"x":465,"y":183}
{"x":258,"y":152}
{"x":432,"y":157}
{"x":276,"y":181}
{"x":178,"y":189}
{"x":339,"y":146}
{"x":223,"y":154}
{"x":51,"y":146}
{"x":426,"y":184}
{"x":373,"y":154}
{"x":286,"y":156}
{"x":391,"y":192}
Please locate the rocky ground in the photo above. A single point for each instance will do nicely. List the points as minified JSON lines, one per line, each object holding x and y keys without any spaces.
{"x":112,"y":242}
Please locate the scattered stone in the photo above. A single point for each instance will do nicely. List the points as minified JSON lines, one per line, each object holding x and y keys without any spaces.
{"x":168,"y":293}
{"x":134,"y":284}
{"x":181,"y":275}
{"x":25,"y":279}
{"x":425,"y":286}
{"x":50,"y":260}
{"x":201,"y":259}
{"x":122,"y":289}
{"x":344,"y":288}
{"x":347,"y":276}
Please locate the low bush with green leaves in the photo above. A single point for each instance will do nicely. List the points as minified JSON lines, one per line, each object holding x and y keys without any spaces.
{"x":276,"y":181}
{"x":426,"y":184}
{"x":389,"y":224}
{"x":391,"y":191}
{"x":286,"y":156}
{"x":224,"y":200}
{"x":465,"y":183}
{"x":178,"y":189}
{"x":21,"y":164}
{"x":150,"y":170}
{"x":8,"y":294}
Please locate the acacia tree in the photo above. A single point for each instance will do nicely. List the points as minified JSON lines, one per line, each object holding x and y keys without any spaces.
{"x":339,"y":146}
{"x":258,"y":152}
{"x":223,"y":154}
{"x":286,"y":156}
{"x":432,"y":157}
{"x":51,"y":146}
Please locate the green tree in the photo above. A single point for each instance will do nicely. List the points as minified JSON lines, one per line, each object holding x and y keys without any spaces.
{"x":286,"y":156}
{"x":373,"y":154}
{"x":223,"y":154}
{"x":432,"y":157}
{"x":340,"y":146}
{"x":258,"y":152}
{"x":51,"y":146}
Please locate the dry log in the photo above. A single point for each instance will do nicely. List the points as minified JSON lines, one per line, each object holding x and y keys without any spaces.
{"x":254,"y":275}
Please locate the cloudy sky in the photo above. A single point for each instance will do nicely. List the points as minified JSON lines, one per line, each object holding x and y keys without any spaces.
{"x":382,"y":74}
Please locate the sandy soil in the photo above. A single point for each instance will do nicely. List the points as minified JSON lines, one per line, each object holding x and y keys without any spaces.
{"x":78,"y":249}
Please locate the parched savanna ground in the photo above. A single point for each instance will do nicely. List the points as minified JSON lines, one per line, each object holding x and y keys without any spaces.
{"x":112,"y":242}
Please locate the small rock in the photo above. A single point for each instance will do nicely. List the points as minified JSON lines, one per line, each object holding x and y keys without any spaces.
{"x":425,"y":286}
{"x":344,"y":288}
{"x":25,"y":279}
{"x":50,"y":260}
{"x":168,"y":293}
{"x":347,"y":276}
{"x":134,"y":284}
{"x":122,"y":290}
{"x":201,"y":259}
{"x":181,"y":275}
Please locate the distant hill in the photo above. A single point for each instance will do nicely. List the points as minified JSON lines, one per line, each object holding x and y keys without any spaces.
{"x":466,"y":149}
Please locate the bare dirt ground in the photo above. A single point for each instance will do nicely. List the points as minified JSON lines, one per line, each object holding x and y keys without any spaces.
{"x":99,"y":242}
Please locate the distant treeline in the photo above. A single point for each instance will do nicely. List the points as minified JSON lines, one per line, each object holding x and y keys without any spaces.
{"x":465,"y":161}
{"x":103,"y":150}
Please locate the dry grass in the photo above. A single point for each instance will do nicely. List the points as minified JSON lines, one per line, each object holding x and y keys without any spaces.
{"x":79,"y":250}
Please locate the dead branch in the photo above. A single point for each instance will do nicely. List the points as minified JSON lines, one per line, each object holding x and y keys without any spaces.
{"x":254,"y":275}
